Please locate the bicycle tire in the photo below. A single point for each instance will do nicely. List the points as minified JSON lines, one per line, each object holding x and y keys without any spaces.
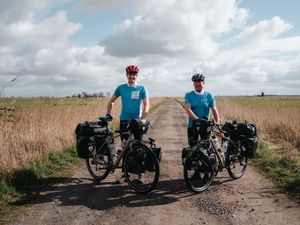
{"x":237,"y":165}
{"x":98,"y":166}
{"x":150,"y":178}
{"x":201,"y":172}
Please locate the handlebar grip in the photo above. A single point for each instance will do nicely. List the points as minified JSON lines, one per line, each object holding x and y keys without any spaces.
{"x":107,"y":118}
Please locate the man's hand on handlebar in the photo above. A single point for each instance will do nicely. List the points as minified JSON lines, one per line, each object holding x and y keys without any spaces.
{"x":107,"y":118}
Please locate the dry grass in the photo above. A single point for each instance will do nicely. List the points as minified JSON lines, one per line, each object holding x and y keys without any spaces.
{"x":44,"y":128}
{"x":37,"y":126}
{"x":277,"y":119}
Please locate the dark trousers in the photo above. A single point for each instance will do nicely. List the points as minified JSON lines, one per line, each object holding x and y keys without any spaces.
{"x":193,"y":136}
{"x":124,"y":128}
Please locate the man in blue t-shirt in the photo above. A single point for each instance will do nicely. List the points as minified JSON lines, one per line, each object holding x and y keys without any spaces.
{"x":197,"y":105}
{"x":135,"y":102}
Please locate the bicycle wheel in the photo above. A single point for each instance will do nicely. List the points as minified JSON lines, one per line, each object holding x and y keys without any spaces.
{"x":97,"y":166}
{"x":237,"y":165}
{"x":141,"y":168}
{"x":198,"y":172}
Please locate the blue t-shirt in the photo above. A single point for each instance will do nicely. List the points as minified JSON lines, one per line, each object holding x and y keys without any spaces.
{"x":200,"y":103}
{"x":132,"y":97}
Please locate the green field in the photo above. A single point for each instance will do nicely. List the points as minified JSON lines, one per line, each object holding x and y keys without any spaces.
{"x":27,"y":104}
{"x":276,"y":102}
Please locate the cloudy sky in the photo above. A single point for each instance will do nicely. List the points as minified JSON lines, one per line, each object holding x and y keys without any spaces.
{"x":63,"y":47}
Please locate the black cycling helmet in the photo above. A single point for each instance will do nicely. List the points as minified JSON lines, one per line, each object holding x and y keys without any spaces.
{"x":198,"y":77}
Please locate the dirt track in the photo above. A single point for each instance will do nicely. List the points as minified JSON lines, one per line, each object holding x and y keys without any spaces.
{"x":249,"y":200}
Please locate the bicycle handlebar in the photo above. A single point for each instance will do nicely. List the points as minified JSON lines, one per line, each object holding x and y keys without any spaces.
{"x":212,"y":124}
{"x":105,"y":119}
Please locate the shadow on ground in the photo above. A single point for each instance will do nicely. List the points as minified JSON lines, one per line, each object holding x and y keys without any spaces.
{"x":104,"y":195}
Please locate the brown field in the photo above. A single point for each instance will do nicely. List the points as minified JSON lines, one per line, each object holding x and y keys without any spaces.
{"x":30,"y":128}
{"x":277,"y":118}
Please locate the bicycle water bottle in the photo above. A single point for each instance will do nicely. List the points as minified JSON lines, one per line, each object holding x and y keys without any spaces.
{"x":215,"y":142}
{"x":118,"y":153}
{"x":123,"y":144}
{"x":111,"y":147}
{"x":225,"y":145}
{"x":218,"y":147}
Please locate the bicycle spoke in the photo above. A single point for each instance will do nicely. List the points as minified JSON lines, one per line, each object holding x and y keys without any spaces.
{"x":98,"y":167}
{"x":141,"y":169}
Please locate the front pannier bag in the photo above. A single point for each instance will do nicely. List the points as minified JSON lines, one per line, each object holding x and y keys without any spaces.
{"x":139,"y":126}
{"x":244,"y":135}
{"x":248,"y":137}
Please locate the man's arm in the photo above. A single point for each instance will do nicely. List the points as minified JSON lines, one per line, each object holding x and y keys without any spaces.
{"x":145,"y":108}
{"x":215,"y":114}
{"x":190,"y":113}
{"x":111,"y":104}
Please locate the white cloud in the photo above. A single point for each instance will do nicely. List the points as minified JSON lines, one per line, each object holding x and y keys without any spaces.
{"x":51,"y":32}
{"x":169,"y":39}
{"x":175,"y":28}
{"x":263,"y":30}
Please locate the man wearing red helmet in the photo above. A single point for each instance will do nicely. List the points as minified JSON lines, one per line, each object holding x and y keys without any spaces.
{"x":133,"y":96}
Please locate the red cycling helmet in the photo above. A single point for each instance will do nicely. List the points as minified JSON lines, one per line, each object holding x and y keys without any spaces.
{"x":132,"y":69}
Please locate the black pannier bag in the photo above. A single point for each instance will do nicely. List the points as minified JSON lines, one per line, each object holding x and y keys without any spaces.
{"x":149,"y":164}
{"x":244,"y":135}
{"x":247,"y":134}
{"x":249,"y":146}
{"x":200,"y":155}
{"x":139,"y":160}
{"x":136,"y":161}
{"x":157,"y":152}
{"x":84,"y":147}
{"x":139,"y":126}
{"x":184,"y":154}
{"x":88,"y":133}
{"x":230,"y":126}
{"x":88,"y":129}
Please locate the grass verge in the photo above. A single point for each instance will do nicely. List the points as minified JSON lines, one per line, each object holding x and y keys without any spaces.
{"x":281,"y":168}
{"x":21,"y":185}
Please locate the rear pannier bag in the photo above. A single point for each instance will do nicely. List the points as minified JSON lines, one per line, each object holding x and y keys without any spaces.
{"x":157,"y":153}
{"x":139,"y":161}
{"x":149,"y":164}
{"x":136,"y":161}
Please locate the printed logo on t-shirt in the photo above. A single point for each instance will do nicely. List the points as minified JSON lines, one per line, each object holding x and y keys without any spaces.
{"x":135,"y":95}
